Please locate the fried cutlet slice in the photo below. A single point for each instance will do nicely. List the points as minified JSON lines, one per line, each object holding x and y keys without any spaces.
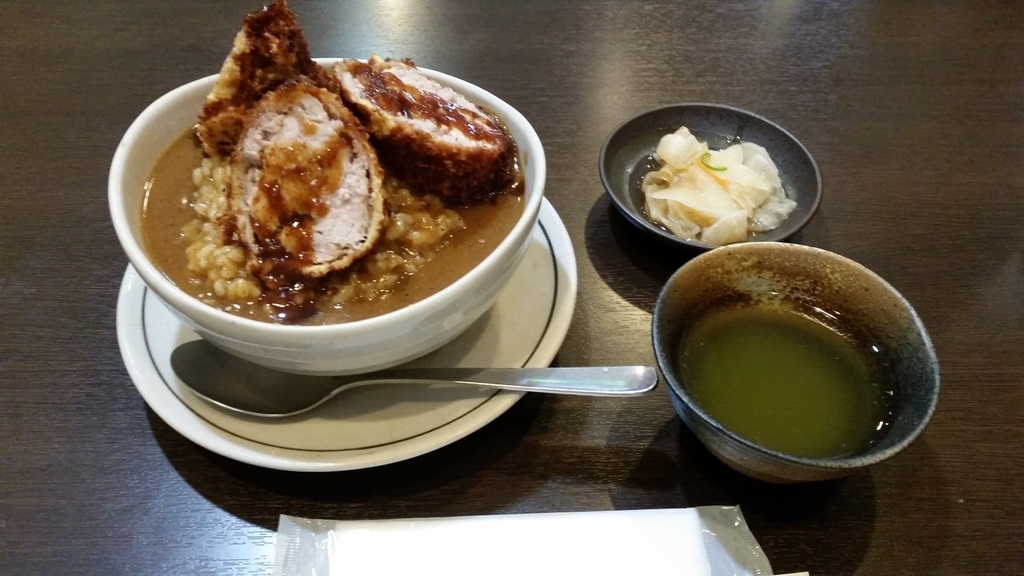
{"x":306,"y":188}
{"x":430,"y":136}
{"x":269,"y":50}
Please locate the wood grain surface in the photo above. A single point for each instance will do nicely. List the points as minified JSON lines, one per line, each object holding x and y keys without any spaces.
{"x":913,"y":111}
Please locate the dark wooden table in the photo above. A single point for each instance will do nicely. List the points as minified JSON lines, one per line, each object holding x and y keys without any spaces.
{"x":914,"y":112}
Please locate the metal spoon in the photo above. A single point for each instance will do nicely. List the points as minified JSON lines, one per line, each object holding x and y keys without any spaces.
{"x":242,"y":386}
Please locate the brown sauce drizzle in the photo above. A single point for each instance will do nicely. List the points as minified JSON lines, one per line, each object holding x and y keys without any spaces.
{"x":293,"y":184}
{"x":389,"y":93}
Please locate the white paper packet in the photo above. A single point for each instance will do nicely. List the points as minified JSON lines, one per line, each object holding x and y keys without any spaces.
{"x":704,"y":541}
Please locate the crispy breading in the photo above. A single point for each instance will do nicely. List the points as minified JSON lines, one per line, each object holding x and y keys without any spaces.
{"x":430,"y":136}
{"x":269,"y":50}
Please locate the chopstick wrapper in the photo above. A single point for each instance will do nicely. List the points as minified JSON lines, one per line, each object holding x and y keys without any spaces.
{"x":704,"y":541}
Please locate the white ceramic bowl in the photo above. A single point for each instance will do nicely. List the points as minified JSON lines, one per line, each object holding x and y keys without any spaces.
{"x":352,"y":347}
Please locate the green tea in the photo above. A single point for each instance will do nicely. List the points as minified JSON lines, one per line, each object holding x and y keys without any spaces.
{"x":786,"y":381}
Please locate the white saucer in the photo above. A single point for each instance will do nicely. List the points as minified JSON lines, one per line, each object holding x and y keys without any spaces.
{"x":375,"y":425}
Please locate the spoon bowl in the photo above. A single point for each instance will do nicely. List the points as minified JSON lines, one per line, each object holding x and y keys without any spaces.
{"x":241,"y":386}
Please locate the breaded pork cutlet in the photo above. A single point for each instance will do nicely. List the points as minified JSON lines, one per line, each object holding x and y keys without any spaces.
{"x":306,"y":190}
{"x":306,"y":186}
{"x":268,"y":51}
{"x":428,"y":135}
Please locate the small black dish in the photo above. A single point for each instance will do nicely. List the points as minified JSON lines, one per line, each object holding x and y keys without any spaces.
{"x":628,"y":154}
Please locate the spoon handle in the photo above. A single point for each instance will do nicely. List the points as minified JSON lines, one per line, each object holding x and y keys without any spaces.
{"x":582,"y":381}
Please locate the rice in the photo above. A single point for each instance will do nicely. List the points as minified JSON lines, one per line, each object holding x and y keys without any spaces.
{"x":219,"y":265}
{"x":416,"y":229}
